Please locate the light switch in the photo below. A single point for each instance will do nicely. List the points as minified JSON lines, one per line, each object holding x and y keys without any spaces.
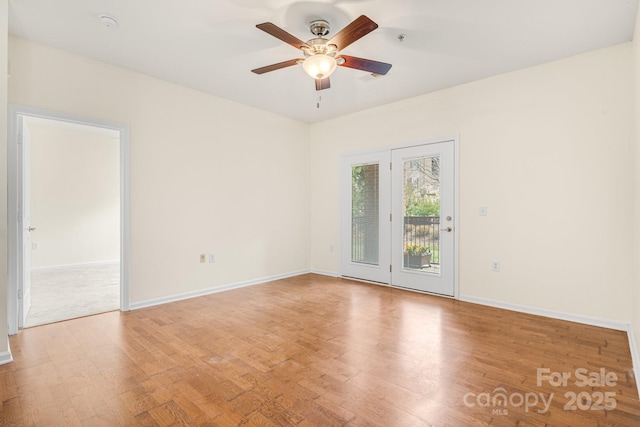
{"x":483,"y":210}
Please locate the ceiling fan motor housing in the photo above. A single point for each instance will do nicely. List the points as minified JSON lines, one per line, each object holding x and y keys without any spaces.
{"x":319,"y":27}
{"x":320,"y":46}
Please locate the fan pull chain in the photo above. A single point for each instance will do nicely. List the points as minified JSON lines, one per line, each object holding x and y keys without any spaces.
{"x":319,"y":100}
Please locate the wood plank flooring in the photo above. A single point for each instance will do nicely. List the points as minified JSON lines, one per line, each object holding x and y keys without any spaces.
{"x":316,"y":351}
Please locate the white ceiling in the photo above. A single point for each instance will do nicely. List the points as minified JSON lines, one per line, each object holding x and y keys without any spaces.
{"x":211,"y":45}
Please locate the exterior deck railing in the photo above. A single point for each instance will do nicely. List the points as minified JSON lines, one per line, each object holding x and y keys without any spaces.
{"x":423,"y":231}
{"x":418,"y":230}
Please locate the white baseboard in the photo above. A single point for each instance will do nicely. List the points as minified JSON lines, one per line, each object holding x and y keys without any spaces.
{"x":635,"y":357}
{"x":593,"y":321}
{"x":5,"y":356}
{"x":324,"y":273}
{"x":83,"y":264}
{"x":209,"y":291}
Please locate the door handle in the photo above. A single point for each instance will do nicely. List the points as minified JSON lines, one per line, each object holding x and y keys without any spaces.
{"x":32,"y":229}
{"x":448,"y":229}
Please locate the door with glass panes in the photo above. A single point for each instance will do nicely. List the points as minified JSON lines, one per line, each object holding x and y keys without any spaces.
{"x":398,"y":214}
{"x":365,"y":209}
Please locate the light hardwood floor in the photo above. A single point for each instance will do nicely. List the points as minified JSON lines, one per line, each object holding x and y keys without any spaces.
{"x":314,"y":351}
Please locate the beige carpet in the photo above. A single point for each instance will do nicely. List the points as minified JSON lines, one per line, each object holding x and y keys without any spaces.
{"x":68,"y":293}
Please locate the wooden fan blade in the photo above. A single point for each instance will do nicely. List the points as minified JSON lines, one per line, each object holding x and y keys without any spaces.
{"x":365,"y":65}
{"x":274,"y":67}
{"x":354,"y":31}
{"x":281,"y":34}
{"x":322,"y":84}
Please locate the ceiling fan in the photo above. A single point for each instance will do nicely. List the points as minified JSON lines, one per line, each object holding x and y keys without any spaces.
{"x":321,"y":55}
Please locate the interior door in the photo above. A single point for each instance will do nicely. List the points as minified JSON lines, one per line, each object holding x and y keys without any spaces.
{"x":365,"y":209}
{"x":24,"y":157}
{"x":423,"y":226}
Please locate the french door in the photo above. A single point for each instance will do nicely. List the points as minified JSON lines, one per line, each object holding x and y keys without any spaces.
{"x":365,"y":209}
{"x":398,"y":217}
{"x":422,"y":243}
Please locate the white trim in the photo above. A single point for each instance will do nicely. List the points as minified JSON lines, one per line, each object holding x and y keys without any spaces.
{"x":355,"y":279}
{"x":125,"y":219}
{"x":82,"y":264}
{"x":560,"y":315}
{"x":15,"y":110}
{"x":456,"y":216}
{"x":6,"y":356}
{"x":400,"y":288}
{"x":419,"y":291}
{"x":635,"y":357}
{"x":209,"y":291}
{"x":324,"y":273}
{"x":12,"y":220}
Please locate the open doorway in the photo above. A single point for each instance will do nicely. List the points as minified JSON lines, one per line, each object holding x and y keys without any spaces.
{"x":74,"y":192}
{"x":68,"y":217}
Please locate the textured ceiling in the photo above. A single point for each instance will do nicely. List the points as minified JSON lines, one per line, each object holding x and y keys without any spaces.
{"x":211,"y":45}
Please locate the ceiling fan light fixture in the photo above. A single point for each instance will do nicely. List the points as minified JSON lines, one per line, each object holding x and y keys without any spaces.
{"x":319,"y":66}
{"x":322,"y":56}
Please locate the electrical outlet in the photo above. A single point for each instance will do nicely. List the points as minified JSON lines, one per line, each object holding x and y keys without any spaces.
{"x":203,"y":258}
{"x":212,"y":258}
{"x":495,"y":265}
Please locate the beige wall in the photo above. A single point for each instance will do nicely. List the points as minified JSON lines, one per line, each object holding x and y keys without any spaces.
{"x":547,"y":149}
{"x":4,"y":29}
{"x":75,"y":194}
{"x":635,"y":301}
{"x":207,"y":174}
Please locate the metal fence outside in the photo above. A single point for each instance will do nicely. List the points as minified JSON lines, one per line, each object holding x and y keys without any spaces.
{"x":423,"y":231}
{"x":418,"y":230}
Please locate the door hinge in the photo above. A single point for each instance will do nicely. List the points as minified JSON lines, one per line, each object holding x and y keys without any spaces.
{"x":390,"y":217}
{"x":390,"y":166}
{"x":390,"y":268}
{"x":19,"y":293}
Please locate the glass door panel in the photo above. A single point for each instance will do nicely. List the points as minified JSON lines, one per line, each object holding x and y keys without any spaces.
{"x":365,"y":214}
{"x":421,"y":217}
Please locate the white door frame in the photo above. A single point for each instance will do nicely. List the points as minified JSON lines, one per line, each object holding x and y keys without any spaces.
{"x":15,"y":259}
{"x":456,"y":200}
{"x":24,"y":219}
